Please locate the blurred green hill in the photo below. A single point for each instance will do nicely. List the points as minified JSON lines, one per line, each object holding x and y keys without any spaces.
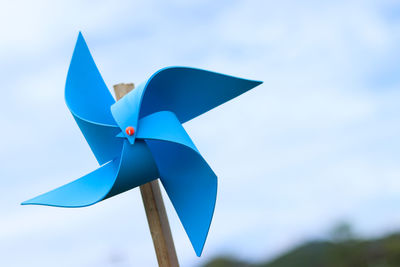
{"x":341,"y":251}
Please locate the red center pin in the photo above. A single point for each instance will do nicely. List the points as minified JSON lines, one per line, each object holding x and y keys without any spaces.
{"x":130,"y":130}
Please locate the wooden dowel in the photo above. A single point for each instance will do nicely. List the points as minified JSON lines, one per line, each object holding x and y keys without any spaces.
{"x":155,"y":209}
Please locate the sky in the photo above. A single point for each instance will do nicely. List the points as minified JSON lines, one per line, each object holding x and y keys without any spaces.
{"x":315,"y":145}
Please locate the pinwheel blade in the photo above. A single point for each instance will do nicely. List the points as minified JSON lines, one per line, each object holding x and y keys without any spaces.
{"x":86,"y":94}
{"x":137,"y":167}
{"x":101,"y":139}
{"x":187,"y":92}
{"x":85,"y":191}
{"x":134,"y":167}
{"x":188,"y":180}
{"x":190,"y":92}
{"x":89,"y":101}
{"x":190,"y":184}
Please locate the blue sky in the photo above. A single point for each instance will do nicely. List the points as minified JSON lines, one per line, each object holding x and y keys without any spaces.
{"x":315,"y":145}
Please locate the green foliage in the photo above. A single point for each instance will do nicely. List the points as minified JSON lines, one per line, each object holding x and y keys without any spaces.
{"x":342,"y":252}
{"x":226,"y":261}
{"x":342,"y":232}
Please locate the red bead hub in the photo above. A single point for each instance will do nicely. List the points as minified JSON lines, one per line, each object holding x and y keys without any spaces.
{"x":130,"y":130}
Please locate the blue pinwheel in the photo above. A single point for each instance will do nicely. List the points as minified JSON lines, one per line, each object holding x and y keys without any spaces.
{"x":141,"y":138}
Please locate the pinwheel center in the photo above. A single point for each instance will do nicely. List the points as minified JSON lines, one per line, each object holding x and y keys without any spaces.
{"x":130,"y":130}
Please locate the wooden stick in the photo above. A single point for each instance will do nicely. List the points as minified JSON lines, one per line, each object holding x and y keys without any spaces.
{"x":155,"y":209}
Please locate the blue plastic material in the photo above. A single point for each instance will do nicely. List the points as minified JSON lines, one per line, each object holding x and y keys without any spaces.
{"x":89,"y":101}
{"x":160,"y":147}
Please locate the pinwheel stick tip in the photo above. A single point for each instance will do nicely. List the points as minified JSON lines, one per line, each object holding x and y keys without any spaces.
{"x":122,"y":89}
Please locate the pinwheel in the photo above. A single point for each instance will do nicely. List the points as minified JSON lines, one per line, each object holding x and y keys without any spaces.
{"x":141,"y":138}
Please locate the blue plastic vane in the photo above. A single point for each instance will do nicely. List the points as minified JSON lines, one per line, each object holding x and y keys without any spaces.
{"x":159,"y":146}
